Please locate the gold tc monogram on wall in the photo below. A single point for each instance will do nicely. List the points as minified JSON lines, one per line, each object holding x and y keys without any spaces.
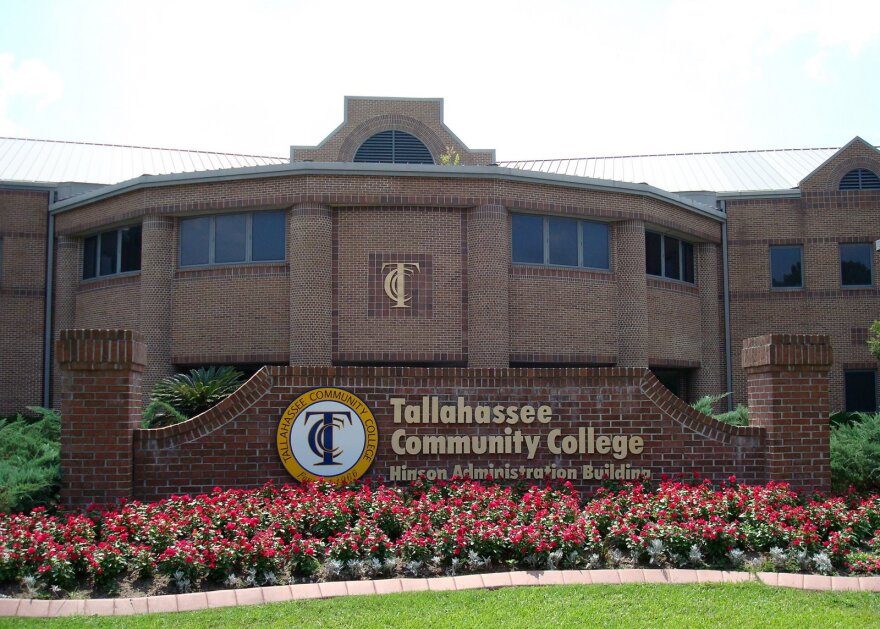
{"x":395,"y":282}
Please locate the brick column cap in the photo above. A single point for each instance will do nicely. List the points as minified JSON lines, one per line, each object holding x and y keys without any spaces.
{"x":101,"y":350}
{"x":807,"y":352}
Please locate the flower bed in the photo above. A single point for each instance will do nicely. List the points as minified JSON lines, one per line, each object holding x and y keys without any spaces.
{"x":238,"y":538}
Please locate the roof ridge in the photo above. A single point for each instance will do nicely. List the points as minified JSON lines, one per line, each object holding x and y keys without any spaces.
{"x":134,"y":146}
{"x":563,"y":159}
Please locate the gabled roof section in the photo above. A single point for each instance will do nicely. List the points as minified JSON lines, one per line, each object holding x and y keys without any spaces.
{"x":29,"y":160}
{"x":366,"y":116}
{"x":855,"y":154}
{"x":723,"y":172}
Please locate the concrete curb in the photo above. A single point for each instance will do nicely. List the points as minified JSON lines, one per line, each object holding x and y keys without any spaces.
{"x":38,"y":608}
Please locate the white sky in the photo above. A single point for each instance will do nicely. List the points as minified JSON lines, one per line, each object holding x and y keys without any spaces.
{"x":530,"y":79}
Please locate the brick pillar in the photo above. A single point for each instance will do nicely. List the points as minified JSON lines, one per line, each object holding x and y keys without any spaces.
{"x":488,"y":262}
{"x":632,"y":294}
{"x":100,"y":409}
{"x":68,"y":271}
{"x":708,"y":378}
{"x":787,"y":382}
{"x":309,"y":242}
{"x":158,"y":256}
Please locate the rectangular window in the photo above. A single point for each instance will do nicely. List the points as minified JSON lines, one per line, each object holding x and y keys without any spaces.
{"x":528,"y":239}
{"x":266,"y":244}
{"x":786,"y":266}
{"x":563,"y":241}
{"x":860,"y":390}
{"x":557,"y":241}
{"x":595,"y":245}
{"x":112,"y":252}
{"x":233,"y":238}
{"x":669,"y":257}
{"x":653,"y":254}
{"x":855,"y":265}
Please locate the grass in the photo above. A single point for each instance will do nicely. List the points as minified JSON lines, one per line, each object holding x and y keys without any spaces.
{"x":709,"y":605}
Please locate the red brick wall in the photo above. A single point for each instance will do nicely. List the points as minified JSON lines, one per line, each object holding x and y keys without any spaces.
{"x":100,"y":409}
{"x":821,"y":219}
{"x":789,"y":397}
{"x":234,"y":444}
{"x":22,"y":289}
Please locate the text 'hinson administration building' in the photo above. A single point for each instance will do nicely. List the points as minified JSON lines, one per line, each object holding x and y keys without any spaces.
{"x":366,"y":250}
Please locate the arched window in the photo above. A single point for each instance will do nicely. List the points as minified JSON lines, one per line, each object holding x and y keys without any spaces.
{"x":393,"y":147}
{"x":860,"y":179}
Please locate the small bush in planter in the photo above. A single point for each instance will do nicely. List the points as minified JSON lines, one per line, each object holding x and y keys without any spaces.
{"x":197,"y":391}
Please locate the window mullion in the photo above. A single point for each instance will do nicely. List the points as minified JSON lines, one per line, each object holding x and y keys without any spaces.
{"x":546,"y":240}
{"x":580,"y":244}
{"x":119,"y":251}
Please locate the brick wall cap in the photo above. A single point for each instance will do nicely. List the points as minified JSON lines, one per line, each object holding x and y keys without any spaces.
{"x":101,"y":350}
{"x":787,"y":351}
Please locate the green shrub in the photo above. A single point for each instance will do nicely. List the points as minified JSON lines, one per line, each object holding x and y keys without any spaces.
{"x":29,"y":460}
{"x":855,"y":454}
{"x":197,"y":391}
{"x":159,"y":414}
{"x":737,"y":417}
{"x":874,"y":339}
{"x":706,"y":404}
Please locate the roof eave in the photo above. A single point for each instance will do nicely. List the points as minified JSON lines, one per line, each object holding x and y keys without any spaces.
{"x":397,"y":170}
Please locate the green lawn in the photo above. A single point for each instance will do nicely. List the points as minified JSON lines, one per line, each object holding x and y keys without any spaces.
{"x":740,"y":605}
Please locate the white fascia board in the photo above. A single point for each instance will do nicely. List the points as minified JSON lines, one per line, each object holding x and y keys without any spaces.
{"x":394,"y":170}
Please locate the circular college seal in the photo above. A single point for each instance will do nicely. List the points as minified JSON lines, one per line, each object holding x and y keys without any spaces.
{"x":327,"y":434}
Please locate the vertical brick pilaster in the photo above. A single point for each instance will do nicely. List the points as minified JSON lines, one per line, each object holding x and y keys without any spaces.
{"x":68,"y":270}
{"x":309,"y":243}
{"x":100,"y":409}
{"x":787,"y":381}
{"x":488,"y":277}
{"x":632,"y":294}
{"x":708,"y":378}
{"x":158,"y":257}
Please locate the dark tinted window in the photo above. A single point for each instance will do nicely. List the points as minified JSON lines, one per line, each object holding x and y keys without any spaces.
{"x":131,"y":249}
{"x":855,"y":264}
{"x":687,"y":262}
{"x":861,"y":390}
{"x":528,"y":239}
{"x":230,"y":238}
{"x":267,"y":235}
{"x":595,"y":237}
{"x":195,"y":240}
{"x":108,"y":251}
{"x":90,"y":257}
{"x":671,"y":258}
{"x":786,"y":267}
{"x":653,"y":254}
{"x":563,"y":241}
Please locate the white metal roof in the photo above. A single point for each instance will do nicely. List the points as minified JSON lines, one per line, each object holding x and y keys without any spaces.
{"x":27,"y":160}
{"x":45,"y":161}
{"x":734,"y":171}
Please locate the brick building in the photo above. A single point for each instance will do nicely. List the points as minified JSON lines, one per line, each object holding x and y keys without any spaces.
{"x":367,"y":250}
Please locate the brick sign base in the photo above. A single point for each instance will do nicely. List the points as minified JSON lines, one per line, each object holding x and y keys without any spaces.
{"x":585,"y":425}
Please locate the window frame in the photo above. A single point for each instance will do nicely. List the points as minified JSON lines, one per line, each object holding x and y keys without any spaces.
{"x":212,"y":236}
{"x":799,"y":247}
{"x":118,"y":255}
{"x":870,"y":248}
{"x":681,"y":258}
{"x":545,"y":225}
